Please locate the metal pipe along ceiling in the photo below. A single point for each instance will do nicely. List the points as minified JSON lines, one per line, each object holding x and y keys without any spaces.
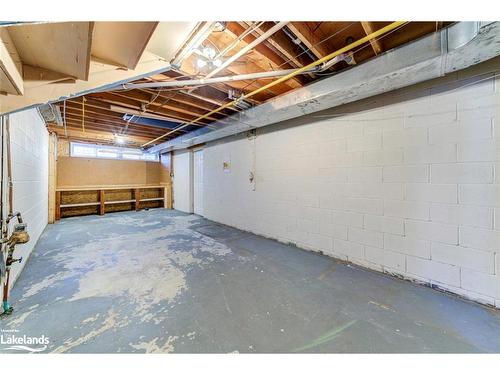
{"x":208,"y":81}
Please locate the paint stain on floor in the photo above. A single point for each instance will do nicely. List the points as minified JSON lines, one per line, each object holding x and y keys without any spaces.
{"x":160,"y":281}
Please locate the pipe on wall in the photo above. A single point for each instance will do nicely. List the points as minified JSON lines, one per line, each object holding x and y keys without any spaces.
{"x":209,"y":81}
{"x":237,"y":77}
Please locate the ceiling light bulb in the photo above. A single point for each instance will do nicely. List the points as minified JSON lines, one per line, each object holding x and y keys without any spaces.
{"x":217,"y":62}
{"x":119,"y":140}
{"x":220,"y":26}
{"x":201,"y":63}
{"x":209,"y":53}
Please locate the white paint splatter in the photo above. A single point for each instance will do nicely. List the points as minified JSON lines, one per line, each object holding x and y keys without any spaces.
{"x":153,"y":347}
{"x":110,"y":322}
{"x":147,"y":266}
{"x":91,"y":319}
{"x":19,"y":319}
{"x":45,"y":283}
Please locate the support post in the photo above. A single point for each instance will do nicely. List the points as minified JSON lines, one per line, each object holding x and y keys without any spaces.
{"x":58,"y":205}
{"x":101,"y":200}
{"x":137,"y":194}
{"x":165,"y":197}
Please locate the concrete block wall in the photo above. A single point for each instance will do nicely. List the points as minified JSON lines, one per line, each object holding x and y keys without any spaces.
{"x":30,"y":173}
{"x":183,"y":181}
{"x":405,"y":183}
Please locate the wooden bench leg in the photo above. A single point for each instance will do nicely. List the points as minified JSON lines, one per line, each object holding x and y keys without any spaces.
{"x":58,"y":206}
{"x":137,"y":194}
{"x":101,"y":200}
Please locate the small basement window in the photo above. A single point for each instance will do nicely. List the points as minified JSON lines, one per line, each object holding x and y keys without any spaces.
{"x":86,"y":150}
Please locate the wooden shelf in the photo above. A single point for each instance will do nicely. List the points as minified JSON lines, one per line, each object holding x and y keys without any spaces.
{"x":124,"y":201}
{"x":74,"y":201}
{"x":80,"y":204}
{"x":151,"y":199}
{"x":108,"y":187}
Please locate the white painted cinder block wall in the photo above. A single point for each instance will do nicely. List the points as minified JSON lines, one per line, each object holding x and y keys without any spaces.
{"x":183,"y":181}
{"x":406,"y":183}
{"x":29,"y":152}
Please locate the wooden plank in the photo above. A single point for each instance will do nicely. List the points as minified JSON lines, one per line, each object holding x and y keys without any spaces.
{"x":138,"y":98}
{"x":80,"y":204}
{"x":122,"y":201}
{"x":11,"y":79}
{"x":166,"y":193}
{"x":107,"y":187}
{"x":60,"y":47}
{"x":151,"y":199}
{"x":253,"y":63}
{"x":58,"y":205}
{"x":137,"y":195}
{"x":285,"y":46}
{"x":100,"y":75}
{"x":101,"y":202}
{"x":122,"y":198}
{"x":98,"y":136}
{"x":369,"y":29}
{"x":275,"y":60}
{"x":117,"y":125}
{"x":120,"y":110}
{"x":189,"y":66}
{"x":121,"y":43}
{"x":35,"y":76}
{"x":190,"y":100}
{"x":308,"y":37}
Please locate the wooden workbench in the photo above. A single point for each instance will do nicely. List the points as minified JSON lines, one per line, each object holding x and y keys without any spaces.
{"x":85,"y":200}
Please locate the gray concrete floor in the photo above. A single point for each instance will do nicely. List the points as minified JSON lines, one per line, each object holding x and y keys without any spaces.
{"x":164,"y":281}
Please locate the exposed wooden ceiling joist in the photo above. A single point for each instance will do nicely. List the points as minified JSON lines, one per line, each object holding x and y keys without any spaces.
{"x":185,"y":98}
{"x":106,"y":109}
{"x":95,"y":136}
{"x":309,"y":38}
{"x":297,"y":45}
{"x":376,"y":44}
{"x":252,"y":63}
{"x":274,"y":59}
{"x":138,"y":98}
{"x":285,"y":46}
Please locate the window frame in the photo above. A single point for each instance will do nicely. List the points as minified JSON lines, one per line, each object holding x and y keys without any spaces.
{"x":120,"y":151}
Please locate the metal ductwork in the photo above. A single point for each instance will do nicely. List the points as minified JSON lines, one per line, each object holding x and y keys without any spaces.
{"x":51,"y":113}
{"x":455,"y":48}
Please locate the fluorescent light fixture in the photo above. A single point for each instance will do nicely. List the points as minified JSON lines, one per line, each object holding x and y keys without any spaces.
{"x":130,"y":111}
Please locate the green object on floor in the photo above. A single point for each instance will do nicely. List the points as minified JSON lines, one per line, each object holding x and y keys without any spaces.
{"x":329,"y":336}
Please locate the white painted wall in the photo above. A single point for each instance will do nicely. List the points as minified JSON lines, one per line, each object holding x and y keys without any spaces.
{"x":406,"y":183}
{"x":183,"y":181}
{"x":29,"y":152}
{"x":198,"y":182}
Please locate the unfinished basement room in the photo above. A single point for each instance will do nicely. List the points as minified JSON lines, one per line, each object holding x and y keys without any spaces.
{"x":262,"y":187}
